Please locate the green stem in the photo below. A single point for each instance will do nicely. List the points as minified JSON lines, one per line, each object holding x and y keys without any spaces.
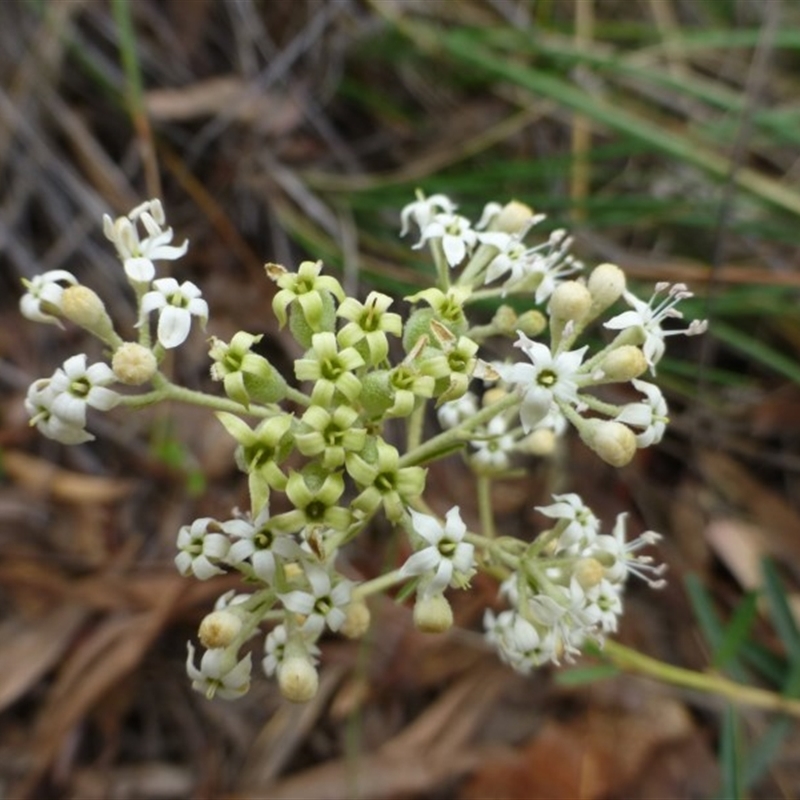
{"x":631,"y":661}
{"x":485,"y":506}
{"x":376,"y":585}
{"x":448,"y":440}
{"x":169,"y":391}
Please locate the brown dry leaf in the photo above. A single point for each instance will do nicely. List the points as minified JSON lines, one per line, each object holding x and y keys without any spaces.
{"x":740,"y":546}
{"x":430,"y":751}
{"x":44,"y":478}
{"x":589,"y":757}
{"x":776,"y":518}
{"x":30,"y":648}
{"x":95,"y":665}
{"x":272,"y":112}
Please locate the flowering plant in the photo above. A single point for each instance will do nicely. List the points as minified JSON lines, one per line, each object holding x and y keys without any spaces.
{"x":319,"y":437}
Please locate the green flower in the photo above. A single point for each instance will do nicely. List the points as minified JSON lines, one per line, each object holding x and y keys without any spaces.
{"x":260,"y":452}
{"x":330,"y":369}
{"x":452,"y":366}
{"x":369,"y":323}
{"x":448,"y":307}
{"x":246,"y":376}
{"x":314,"y":494}
{"x":307,"y":288}
{"x":384,"y":482}
{"x":332,"y":435}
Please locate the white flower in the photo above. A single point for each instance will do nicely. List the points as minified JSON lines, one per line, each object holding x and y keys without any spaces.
{"x":647,"y":319}
{"x":137,"y":254}
{"x":447,"y":560}
{"x":455,"y":233}
{"x":258,"y":544}
{"x":275,"y":647}
{"x":178,"y":303}
{"x":76,"y":386}
{"x":39,"y":405}
{"x":322,"y":604}
{"x":519,"y":643}
{"x":493,"y":450}
{"x":220,"y":674}
{"x":650,"y":415}
{"x":620,"y":558}
{"x":544,"y":265}
{"x":455,"y":412}
{"x":544,"y":382}
{"x":580,"y":525}
{"x":423,"y":209}
{"x":44,"y":294}
{"x":201,"y":549}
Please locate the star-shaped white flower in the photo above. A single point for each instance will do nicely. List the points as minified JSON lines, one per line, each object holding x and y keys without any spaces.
{"x":39,"y":405}
{"x":648,"y":317}
{"x":202,"y":547}
{"x":220,"y":674}
{"x":580,"y":524}
{"x":177,"y":304}
{"x":423,"y":209}
{"x":651,"y":415}
{"x":76,"y":386}
{"x":545,"y":382}
{"x":137,"y":254}
{"x":323,"y":603}
{"x":447,"y":560}
{"x":44,"y":295}
{"x":455,"y":233}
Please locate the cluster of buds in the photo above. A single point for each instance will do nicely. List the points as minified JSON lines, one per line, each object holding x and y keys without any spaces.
{"x":317,"y":441}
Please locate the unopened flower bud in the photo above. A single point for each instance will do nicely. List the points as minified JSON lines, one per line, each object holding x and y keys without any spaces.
{"x":84,"y":307}
{"x":357,"y":619}
{"x":614,"y":442}
{"x":133,"y":364}
{"x":492,"y":396}
{"x":589,"y":572}
{"x":606,"y":284}
{"x":298,"y":679}
{"x":433,"y":614}
{"x":531,"y":323}
{"x":219,"y":629}
{"x":570,"y":300}
{"x":623,"y":364}
{"x":515,"y":217}
{"x":540,"y":442}
{"x":505,"y":320}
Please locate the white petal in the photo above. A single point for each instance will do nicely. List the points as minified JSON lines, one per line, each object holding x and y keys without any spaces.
{"x":173,"y":326}
{"x":139,"y":270}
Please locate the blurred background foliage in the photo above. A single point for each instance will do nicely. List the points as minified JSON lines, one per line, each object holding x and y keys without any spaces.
{"x":663,"y":133}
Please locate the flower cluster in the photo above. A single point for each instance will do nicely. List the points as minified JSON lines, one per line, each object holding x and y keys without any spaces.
{"x":567,"y":589}
{"x":315,"y":444}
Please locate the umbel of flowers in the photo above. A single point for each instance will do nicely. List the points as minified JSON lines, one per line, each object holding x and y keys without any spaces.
{"x":318,"y":438}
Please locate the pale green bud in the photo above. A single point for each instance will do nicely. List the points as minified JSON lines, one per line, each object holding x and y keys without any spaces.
{"x":589,"y":572}
{"x":614,"y":442}
{"x":531,"y":323}
{"x":84,"y":307}
{"x":570,"y":301}
{"x":515,"y":217}
{"x":219,"y":629}
{"x":623,"y":364}
{"x":540,"y":442}
{"x":433,"y":614}
{"x":357,"y":620}
{"x":133,"y":364}
{"x":298,"y":679}
{"x":505,"y":321}
{"x":606,"y":284}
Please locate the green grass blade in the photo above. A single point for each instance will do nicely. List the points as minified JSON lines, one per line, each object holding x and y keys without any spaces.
{"x":757,"y":350}
{"x":730,"y":757}
{"x":780,"y":613}
{"x":736,"y":632}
